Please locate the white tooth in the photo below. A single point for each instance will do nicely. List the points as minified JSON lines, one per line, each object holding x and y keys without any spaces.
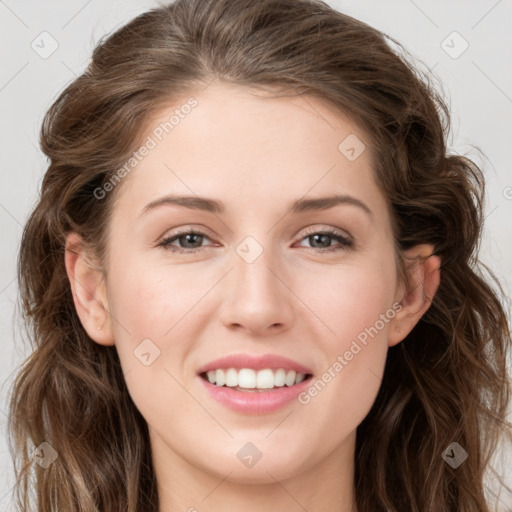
{"x":232,"y":378}
{"x":265,"y":379}
{"x":290,"y":378}
{"x":247,"y":378}
{"x":279,"y":378}
{"x":300,"y":377}
{"x":250,"y":379}
{"x":220,"y":377}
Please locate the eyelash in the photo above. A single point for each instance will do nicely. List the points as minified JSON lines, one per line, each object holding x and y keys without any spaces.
{"x":345,"y":242}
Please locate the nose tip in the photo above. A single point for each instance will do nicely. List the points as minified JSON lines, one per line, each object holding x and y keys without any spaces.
{"x":258,"y":300}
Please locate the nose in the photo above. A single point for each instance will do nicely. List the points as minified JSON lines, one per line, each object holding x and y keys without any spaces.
{"x":258,"y":295}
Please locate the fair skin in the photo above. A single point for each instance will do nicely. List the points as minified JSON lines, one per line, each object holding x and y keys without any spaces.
{"x":256,"y":156}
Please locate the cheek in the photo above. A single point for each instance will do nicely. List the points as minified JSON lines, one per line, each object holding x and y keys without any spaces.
{"x":151,"y":325}
{"x":158,"y":313}
{"x":150,"y":300}
{"x":355,"y":307}
{"x":349,"y":298}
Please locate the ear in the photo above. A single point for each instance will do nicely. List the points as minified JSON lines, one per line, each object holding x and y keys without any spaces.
{"x":89,"y":291}
{"x":423,"y":278}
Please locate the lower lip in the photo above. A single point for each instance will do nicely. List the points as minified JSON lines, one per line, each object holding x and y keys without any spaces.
{"x":255,"y":402}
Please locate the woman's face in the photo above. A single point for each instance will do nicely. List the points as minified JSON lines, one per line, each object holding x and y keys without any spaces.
{"x":262,"y":283}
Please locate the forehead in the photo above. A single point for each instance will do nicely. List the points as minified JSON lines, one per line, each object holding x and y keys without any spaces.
{"x":245,"y":146}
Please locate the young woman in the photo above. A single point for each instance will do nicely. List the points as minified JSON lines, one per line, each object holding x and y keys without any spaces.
{"x":252,"y":278}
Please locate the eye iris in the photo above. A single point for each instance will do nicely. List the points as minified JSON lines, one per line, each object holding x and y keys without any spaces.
{"x":189,"y":235}
{"x":322,"y":238}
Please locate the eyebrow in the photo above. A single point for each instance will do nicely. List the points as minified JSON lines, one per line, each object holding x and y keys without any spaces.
{"x":217,"y":207}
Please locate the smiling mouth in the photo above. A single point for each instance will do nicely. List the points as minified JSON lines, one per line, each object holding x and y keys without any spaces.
{"x":252,"y":381}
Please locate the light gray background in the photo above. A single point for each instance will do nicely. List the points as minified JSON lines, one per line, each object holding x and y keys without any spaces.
{"x":478,"y":85}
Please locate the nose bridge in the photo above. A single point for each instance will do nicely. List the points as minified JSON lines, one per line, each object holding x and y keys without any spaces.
{"x":257,"y":296}
{"x":252,"y":267}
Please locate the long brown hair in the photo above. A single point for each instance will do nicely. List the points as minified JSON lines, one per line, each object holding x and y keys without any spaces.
{"x":446,"y":382}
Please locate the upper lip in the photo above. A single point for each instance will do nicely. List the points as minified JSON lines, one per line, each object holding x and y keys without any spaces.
{"x":261,"y":362}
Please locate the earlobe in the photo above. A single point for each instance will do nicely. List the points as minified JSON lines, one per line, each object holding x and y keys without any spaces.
{"x":89,"y":291}
{"x":423,"y":278}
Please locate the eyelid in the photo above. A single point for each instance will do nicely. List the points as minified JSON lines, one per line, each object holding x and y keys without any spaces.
{"x":310,"y":230}
{"x":183,"y":230}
